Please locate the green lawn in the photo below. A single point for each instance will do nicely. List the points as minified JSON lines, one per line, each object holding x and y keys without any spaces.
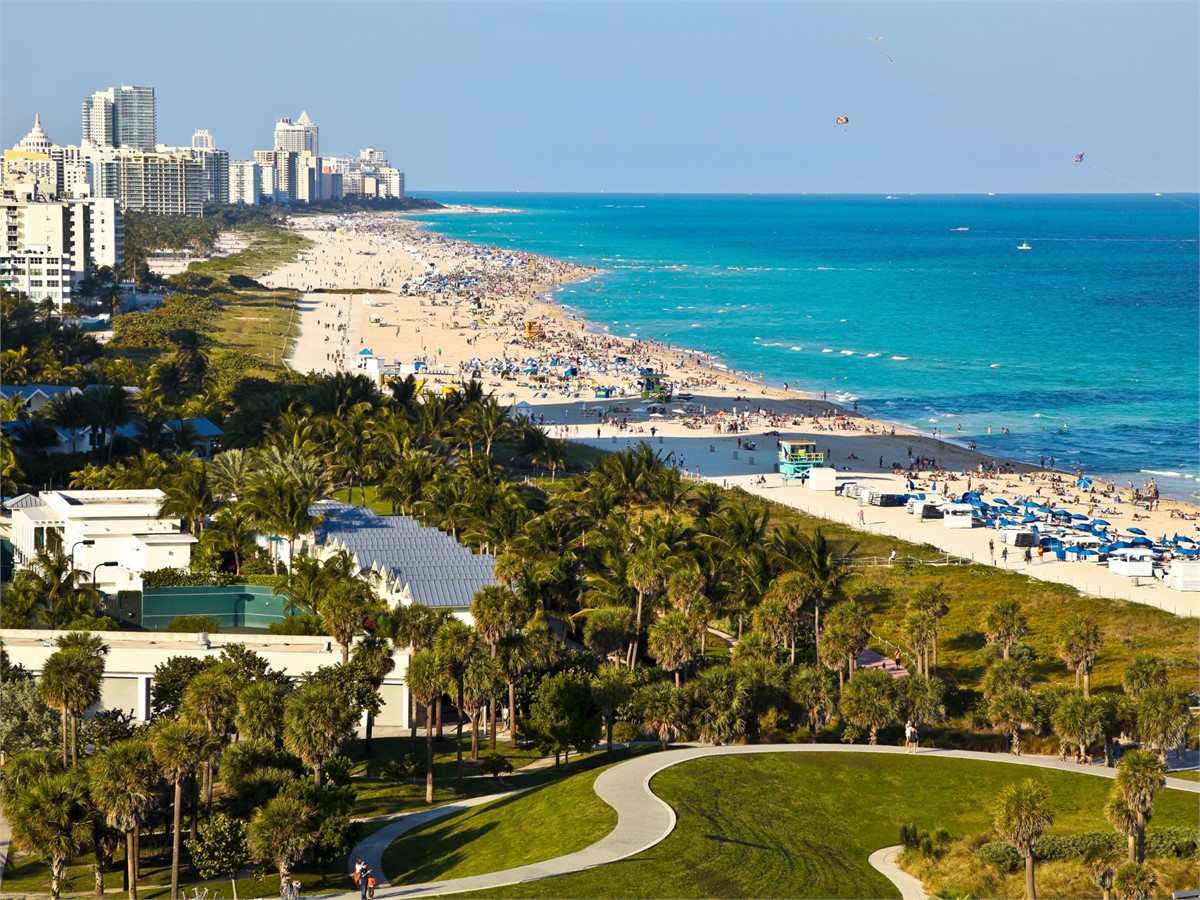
{"x":496,"y":836}
{"x":377,"y":797}
{"x":792,"y":825}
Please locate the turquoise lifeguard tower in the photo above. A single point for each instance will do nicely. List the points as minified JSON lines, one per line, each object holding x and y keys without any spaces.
{"x":797,"y":457}
{"x":655,"y":385}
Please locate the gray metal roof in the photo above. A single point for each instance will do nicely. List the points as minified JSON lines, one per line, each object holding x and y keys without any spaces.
{"x":437,"y":570}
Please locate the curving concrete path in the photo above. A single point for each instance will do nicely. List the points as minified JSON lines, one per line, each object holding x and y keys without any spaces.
{"x":884,"y":862}
{"x":644,"y":820}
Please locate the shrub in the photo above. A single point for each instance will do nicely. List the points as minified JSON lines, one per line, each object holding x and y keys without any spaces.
{"x":495,"y":764}
{"x":1002,"y":855}
{"x":306,"y":624}
{"x":395,"y":771}
{"x":338,"y":770}
{"x":189,"y":624}
{"x":908,"y":835}
{"x":927,"y":845}
{"x":625,"y":732}
{"x":1182,"y":841}
{"x":1076,"y":846}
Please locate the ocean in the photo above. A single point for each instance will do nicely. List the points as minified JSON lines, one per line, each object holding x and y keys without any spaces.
{"x":922,"y":309}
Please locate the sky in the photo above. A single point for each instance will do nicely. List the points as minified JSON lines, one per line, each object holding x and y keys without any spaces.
{"x":674,"y":96}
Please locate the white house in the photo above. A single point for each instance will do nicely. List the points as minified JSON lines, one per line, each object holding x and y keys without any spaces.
{"x":114,"y":536}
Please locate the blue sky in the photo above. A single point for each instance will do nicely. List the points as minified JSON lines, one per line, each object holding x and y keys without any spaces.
{"x":644,"y":97}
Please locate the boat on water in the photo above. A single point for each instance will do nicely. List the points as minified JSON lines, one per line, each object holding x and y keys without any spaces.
{"x":1024,"y":246}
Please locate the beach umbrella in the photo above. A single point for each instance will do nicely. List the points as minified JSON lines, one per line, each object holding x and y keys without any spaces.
{"x":1061,"y":512}
{"x":1000,"y":501}
{"x":1100,"y":522}
{"x":1079,"y":516}
{"x":1084,"y":483}
{"x":1028,"y":519}
{"x":1136,"y":531}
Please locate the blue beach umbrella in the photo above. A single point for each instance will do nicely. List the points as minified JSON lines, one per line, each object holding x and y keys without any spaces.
{"x":1136,"y":531}
{"x":1028,"y":519}
{"x":1100,"y":522}
{"x":1080,"y":516}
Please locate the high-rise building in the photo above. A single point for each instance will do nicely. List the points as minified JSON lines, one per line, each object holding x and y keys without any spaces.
{"x":157,"y":183}
{"x":48,"y":246}
{"x":202,"y":139}
{"x":283,"y":163}
{"x":245,"y":182}
{"x":98,"y":119}
{"x":121,"y":117}
{"x":299,"y":136}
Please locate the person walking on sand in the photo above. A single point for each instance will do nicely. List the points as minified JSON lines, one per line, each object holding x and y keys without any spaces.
{"x":1004,"y":557}
{"x":862,"y":520}
{"x":992,"y":550}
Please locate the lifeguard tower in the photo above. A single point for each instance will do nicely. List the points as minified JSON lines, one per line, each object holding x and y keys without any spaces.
{"x":534,"y":331}
{"x":655,"y":385}
{"x":797,"y":457}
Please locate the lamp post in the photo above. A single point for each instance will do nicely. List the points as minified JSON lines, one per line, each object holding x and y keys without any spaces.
{"x":86,"y":542}
{"x":98,"y":567}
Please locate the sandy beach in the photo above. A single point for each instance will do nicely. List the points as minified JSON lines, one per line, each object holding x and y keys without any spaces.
{"x":384,"y":295}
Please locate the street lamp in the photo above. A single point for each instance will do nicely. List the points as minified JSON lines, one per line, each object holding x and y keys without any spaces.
{"x":86,"y":542}
{"x":100,"y":566}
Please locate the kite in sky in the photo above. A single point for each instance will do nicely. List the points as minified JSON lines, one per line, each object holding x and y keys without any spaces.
{"x":843,"y":120}
{"x":1078,"y":157}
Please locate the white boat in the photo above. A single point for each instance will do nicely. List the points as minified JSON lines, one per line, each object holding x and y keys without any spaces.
{"x":1023,"y":246}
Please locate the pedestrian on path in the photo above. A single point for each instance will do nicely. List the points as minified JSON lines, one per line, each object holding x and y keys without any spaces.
{"x":861,"y":518}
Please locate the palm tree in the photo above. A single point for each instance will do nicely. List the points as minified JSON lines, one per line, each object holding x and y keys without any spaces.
{"x":1123,"y":819}
{"x":1004,"y":674}
{"x":1140,"y":776}
{"x":660,"y":709}
{"x":1143,"y":672}
{"x":188,"y":495}
{"x":1022,"y":814}
{"x":426,"y":682}
{"x":210,"y":700}
{"x":347,"y":603}
{"x":1163,"y":717}
{"x":1009,"y":709}
{"x":612,"y":687}
{"x":671,"y":641}
{"x":231,"y":471}
{"x":1135,"y":881}
{"x":53,"y":817}
{"x":481,"y":685}
{"x":71,"y":680}
{"x":259,"y":715}
{"x":921,"y":699}
{"x":869,"y":701}
{"x":1079,"y":643}
{"x":793,"y":589}
{"x":818,"y":561}
{"x":851,"y":626}
{"x":124,"y":784}
{"x":721,"y":703}
{"x":70,"y":411}
{"x":282,"y":832}
{"x":1076,"y":720}
{"x":1005,"y":624}
{"x":930,"y":602}
{"x":812,"y":691}
{"x":1102,"y":864}
{"x":374,"y":656}
{"x":455,"y":646}
{"x":316,"y":722}
{"x":178,"y":748}
{"x":233,"y":530}
{"x":645,"y":575}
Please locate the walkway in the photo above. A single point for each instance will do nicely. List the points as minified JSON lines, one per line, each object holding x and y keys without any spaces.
{"x":884,"y":862}
{"x":644,"y":820}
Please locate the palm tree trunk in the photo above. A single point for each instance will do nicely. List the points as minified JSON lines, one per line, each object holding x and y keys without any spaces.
{"x":137,"y":854}
{"x":637,"y":633}
{"x":437,"y":712}
{"x":429,"y":752}
{"x":57,"y":867}
{"x":492,"y":730}
{"x":512,"y":714}
{"x":178,"y":824}
{"x":367,"y":740}
{"x":1141,"y":839}
{"x":458,"y":738}
{"x":74,"y":740}
{"x":131,"y":864}
{"x":475,"y":733}
{"x":65,"y":737}
{"x":1030,"y":890}
{"x":608,"y":728}
{"x":1087,"y":684}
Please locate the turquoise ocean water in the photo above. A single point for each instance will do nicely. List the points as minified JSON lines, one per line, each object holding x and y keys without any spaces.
{"x":921,"y":308}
